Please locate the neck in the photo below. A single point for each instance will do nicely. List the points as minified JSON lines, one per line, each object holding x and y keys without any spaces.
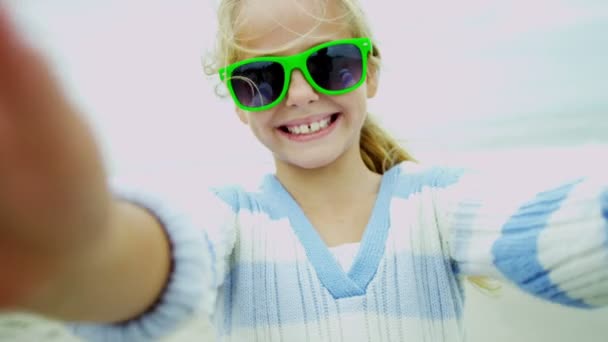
{"x":333,"y":185}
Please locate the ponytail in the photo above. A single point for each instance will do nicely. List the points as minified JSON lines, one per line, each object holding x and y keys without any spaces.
{"x":379,"y":150}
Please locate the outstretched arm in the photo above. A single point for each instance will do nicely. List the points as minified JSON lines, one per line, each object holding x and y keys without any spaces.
{"x":70,"y":247}
{"x":546,"y":233}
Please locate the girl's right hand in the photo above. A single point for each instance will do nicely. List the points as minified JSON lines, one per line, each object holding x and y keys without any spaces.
{"x":54,"y":200}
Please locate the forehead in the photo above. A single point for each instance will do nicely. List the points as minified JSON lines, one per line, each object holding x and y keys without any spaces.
{"x":282,"y":27}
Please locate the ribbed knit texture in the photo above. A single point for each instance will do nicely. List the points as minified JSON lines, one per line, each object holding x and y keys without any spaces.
{"x":273,"y":279}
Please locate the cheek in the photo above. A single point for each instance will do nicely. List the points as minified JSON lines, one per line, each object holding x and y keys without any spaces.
{"x":355,"y":103}
{"x":260,"y":123}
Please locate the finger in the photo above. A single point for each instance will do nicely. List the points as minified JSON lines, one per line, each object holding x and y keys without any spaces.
{"x":6,"y":27}
{"x":32,"y":105}
{"x":25,"y":73}
{"x":10,"y":61}
{"x":10,"y":42}
{"x":29,"y":90}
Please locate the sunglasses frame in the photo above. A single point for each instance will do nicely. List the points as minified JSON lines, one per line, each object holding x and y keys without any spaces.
{"x":298,"y":61}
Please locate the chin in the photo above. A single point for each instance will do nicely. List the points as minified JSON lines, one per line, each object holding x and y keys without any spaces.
{"x":310,"y":163}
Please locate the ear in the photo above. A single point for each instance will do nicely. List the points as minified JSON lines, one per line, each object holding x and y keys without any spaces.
{"x":242,"y":115}
{"x":372,"y":81}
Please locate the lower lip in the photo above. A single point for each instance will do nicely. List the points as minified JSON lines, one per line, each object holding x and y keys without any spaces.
{"x":313,"y":136}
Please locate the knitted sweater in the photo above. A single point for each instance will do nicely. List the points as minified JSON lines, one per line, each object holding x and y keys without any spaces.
{"x":253,"y":261}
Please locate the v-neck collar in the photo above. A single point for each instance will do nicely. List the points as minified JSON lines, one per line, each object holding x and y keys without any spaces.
{"x":339,"y":283}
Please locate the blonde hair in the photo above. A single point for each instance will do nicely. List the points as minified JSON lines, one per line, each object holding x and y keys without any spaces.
{"x":379,"y":150}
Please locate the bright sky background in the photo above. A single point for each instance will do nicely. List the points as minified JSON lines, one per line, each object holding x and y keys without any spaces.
{"x":458,"y":76}
{"x":472,"y":76}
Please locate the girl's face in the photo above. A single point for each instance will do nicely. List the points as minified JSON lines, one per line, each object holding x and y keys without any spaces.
{"x":274,"y":25}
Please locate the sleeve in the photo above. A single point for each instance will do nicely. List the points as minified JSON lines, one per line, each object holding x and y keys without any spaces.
{"x":544,"y":232}
{"x":201,"y":229}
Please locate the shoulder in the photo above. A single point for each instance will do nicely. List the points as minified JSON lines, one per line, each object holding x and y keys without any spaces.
{"x":236,"y":196}
{"x":248,"y":197}
{"x":413,"y":177}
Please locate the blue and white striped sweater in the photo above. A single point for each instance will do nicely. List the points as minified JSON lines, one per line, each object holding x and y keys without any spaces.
{"x":255,"y":263}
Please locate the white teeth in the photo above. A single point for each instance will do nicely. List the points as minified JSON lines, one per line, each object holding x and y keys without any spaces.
{"x":311,"y":128}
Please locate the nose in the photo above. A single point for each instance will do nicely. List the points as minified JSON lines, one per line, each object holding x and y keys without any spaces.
{"x":300,"y":92}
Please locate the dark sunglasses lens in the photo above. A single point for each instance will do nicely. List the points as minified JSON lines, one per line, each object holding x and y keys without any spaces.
{"x":258,"y":84}
{"x":336,"y":67}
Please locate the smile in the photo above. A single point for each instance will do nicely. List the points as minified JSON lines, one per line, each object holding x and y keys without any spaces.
{"x":310,"y":131}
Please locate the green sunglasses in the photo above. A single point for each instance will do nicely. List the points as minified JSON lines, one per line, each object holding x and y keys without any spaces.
{"x":332,"y":68}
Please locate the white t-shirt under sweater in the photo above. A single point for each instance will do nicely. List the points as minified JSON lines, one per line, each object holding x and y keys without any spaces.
{"x":345,"y":254}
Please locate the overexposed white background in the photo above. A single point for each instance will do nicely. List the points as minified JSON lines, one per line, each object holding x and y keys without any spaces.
{"x":505,"y":82}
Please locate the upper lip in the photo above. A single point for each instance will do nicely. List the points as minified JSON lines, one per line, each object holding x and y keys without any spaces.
{"x":307,"y":120}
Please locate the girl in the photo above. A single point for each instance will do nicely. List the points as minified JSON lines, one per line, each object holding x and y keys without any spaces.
{"x":348,"y":240}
